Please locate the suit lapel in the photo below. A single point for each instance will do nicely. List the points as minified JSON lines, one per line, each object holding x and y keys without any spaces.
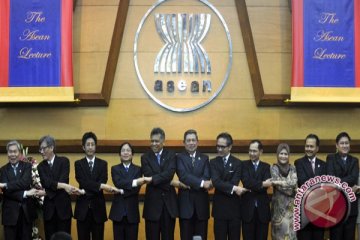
{"x":197,"y":162}
{"x":85,"y":166}
{"x":220,"y":162}
{"x":55,"y":166}
{"x":153,"y":161}
{"x":131,"y":170}
{"x":10,"y":172}
{"x":317,"y":166}
{"x":349,"y":163}
{"x":163,"y":158}
{"x":95,"y":168}
{"x":259,"y":168}
{"x":341,"y":162}
{"x":20,"y":169}
{"x":308,"y":167}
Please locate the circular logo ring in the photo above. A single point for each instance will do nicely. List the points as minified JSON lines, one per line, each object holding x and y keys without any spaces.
{"x":174,"y":109}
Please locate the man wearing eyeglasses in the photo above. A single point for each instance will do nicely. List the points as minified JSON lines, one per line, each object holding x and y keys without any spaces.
{"x":256,"y":202}
{"x":54,"y":175}
{"x":226,"y":175}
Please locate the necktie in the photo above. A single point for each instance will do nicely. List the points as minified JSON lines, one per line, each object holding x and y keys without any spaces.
{"x":313,"y":165}
{"x":91,"y":165}
{"x":126,"y":168}
{"x":50,"y":165}
{"x":225,"y":161}
{"x":15,"y":170}
{"x":255,"y":166}
{"x":192,"y":160}
{"x":158,"y":156}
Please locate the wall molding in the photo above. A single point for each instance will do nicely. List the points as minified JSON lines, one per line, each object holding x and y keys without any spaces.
{"x":103,"y":98}
{"x":206,"y":146}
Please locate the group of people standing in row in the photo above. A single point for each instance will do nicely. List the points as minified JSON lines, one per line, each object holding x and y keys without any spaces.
{"x":240,"y":200}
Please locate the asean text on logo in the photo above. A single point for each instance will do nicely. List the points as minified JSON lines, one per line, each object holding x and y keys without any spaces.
{"x":183,"y":77}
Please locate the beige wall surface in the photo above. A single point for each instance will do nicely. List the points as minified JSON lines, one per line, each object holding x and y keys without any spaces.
{"x":131,"y":113}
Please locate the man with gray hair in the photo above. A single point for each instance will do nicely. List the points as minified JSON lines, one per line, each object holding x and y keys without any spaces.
{"x":54,"y":174}
{"x":160,"y":205}
{"x":18,"y":208}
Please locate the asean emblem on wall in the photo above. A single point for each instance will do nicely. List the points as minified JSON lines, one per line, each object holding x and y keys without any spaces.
{"x":182,"y":54}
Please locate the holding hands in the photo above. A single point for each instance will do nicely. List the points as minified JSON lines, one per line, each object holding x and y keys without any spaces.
{"x":178,"y":184}
{"x":267,"y":183}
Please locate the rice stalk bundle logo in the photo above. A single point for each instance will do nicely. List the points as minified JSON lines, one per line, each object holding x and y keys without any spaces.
{"x":182,"y":50}
{"x":183,"y":75}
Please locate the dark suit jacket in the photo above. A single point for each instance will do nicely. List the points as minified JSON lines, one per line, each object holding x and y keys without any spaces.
{"x":195,"y":198}
{"x":90,"y":182}
{"x":226,"y":206}
{"x":159,"y":193}
{"x":253,"y":181}
{"x":126,"y":204}
{"x":304,"y":170}
{"x":13,"y":200}
{"x":348,"y":173}
{"x":55,"y":199}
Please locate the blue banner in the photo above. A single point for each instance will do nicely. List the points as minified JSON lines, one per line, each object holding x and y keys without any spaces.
{"x":329,"y":43}
{"x":35,"y":40}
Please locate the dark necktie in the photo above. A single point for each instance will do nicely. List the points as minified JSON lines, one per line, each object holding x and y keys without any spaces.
{"x":158,"y":156}
{"x":91,"y":164}
{"x":192,"y":160}
{"x":50,"y":165}
{"x":126,"y":168}
{"x":255,"y":166}
{"x":225,"y":161}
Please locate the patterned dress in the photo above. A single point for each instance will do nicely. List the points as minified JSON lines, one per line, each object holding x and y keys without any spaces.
{"x":283,"y":204}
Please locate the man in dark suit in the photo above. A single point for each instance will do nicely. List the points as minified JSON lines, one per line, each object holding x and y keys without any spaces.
{"x":226,"y":175}
{"x":345,"y":167}
{"x":54,"y":175}
{"x":256,"y":202}
{"x":91,"y":174}
{"x":124,"y":210}
{"x":18,"y":208}
{"x":193,"y":170}
{"x":160,"y":204}
{"x":308,"y":167}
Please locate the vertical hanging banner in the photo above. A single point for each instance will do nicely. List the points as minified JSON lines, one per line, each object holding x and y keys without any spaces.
{"x":326,"y":55}
{"x":36,"y":51}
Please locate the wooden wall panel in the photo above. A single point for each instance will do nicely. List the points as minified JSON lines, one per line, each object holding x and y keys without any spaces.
{"x":62,"y":123}
{"x":271,"y":27}
{"x":88,"y":71}
{"x":183,"y":3}
{"x":275,"y":72}
{"x":272,"y":3}
{"x":97,"y":3}
{"x":93,"y":27}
